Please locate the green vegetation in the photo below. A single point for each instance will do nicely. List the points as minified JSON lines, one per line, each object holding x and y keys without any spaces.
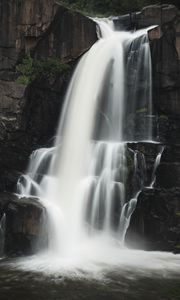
{"x":164,"y":117}
{"x":31,"y":69}
{"x":107,"y":7}
{"x":141,"y":110}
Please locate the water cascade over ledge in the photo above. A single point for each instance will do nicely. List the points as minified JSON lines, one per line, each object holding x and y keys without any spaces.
{"x":82,"y":180}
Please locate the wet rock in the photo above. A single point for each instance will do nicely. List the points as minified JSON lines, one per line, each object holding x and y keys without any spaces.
{"x":147,"y":154}
{"x":137,"y":125}
{"x":150,"y":15}
{"x":168,"y":175}
{"x":166,"y":81}
{"x":69,"y":35}
{"x":158,"y":14}
{"x":24,"y":227}
{"x":155,"y":224}
{"x":12,"y":102}
{"x":168,"y":128}
{"x":171,"y":154}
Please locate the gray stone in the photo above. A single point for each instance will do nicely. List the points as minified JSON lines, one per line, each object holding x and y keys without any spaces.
{"x":155,"y":224}
{"x":25,"y":230}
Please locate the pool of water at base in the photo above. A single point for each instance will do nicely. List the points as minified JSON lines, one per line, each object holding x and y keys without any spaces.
{"x":18,"y":284}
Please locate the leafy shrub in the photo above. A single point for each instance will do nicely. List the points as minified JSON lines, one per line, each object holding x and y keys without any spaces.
{"x":30,"y":69}
{"x":25,"y":70}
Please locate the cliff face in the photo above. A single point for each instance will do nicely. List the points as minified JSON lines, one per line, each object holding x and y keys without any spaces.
{"x":42,"y":27}
{"x":22,"y":24}
{"x":29,"y":115}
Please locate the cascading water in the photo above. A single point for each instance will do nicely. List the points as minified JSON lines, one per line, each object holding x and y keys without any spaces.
{"x":84,"y":189}
{"x":156,"y":164}
{"x":99,"y":102}
{"x":2,"y":234}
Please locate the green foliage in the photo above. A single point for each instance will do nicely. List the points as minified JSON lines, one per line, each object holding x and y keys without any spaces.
{"x":25,"y":70}
{"x":108,"y":7}
{"x":141,"y":110}
{"x":31,"y":69}
{"x":164,"y":117}
{"x":49,"y":67}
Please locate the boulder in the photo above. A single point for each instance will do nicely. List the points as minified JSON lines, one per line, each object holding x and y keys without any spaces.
{"x":155,"y":223}
{"x":25,"y":231}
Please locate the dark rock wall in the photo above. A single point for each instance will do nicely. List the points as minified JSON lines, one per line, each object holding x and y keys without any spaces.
{"x":69,"y":35}
{"x":25,"y":224}
{"x":20,"y":22}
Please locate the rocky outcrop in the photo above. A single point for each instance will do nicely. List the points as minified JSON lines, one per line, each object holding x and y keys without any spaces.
{"x":165,"y":49}
{"x":69,"y":35}
{"x":22,"y":24}
{"x":42,"y":27}
{"x":150,"y":15}
{"x":25,"y":230}
{"x":157,"y":15}
{"x":155,"y":224}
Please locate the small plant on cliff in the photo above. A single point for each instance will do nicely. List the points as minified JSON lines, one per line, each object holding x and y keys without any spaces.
{"x":50,"y":67}
{"x":25,"y":70}
{"x":31,"y":69}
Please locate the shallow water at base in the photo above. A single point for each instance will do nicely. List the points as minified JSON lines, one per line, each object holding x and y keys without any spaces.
{"x":115,"y":284}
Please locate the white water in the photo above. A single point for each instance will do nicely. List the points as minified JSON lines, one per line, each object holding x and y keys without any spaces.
{"x":156,"y":164}
{"x":2,"y":234}
{"x":84,"y":190}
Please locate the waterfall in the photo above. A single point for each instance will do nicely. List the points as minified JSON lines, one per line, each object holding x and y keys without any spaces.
{"x":156,"y":164}
{"x":2,"y":233}
{"x":82,"y":179}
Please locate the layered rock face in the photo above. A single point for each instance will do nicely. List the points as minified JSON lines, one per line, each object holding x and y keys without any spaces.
{"x":22,"y":23}
{"x":150,"y":15}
